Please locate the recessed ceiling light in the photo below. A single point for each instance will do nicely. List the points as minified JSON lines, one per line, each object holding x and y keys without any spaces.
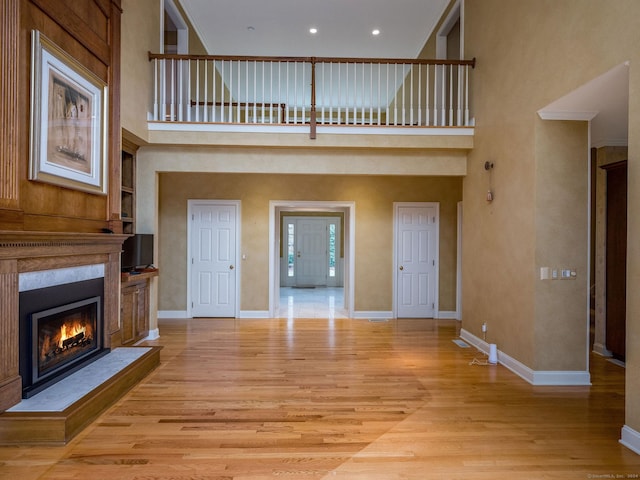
{"x":375,"y":32}
{"x":313,"y":30}
{"x":250,"y":28}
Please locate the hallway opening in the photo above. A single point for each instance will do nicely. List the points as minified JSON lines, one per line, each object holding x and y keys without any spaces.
{"x":290,"y":297}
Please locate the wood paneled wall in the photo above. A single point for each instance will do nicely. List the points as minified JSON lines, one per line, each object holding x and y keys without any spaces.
{"x":89,"y":31}
{"x":45,"y":226}
{"x":9,"y":62}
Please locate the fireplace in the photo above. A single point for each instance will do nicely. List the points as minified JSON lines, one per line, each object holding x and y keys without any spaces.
{"x":61,"y":330}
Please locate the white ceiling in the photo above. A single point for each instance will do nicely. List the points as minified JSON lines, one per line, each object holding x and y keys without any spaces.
{"x":604,"y":101}
{"x":281,"y":27}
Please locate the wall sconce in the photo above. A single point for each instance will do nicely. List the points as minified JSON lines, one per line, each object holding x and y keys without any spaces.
{"x":488,"y":166}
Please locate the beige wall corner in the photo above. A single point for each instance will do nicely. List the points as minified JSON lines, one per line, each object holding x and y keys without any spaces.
{"x":140,"y":35}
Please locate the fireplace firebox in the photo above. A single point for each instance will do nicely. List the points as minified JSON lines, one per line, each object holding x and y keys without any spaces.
{"x":61,"y":330}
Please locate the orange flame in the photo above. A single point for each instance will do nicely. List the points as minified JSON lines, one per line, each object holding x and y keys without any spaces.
{"x":70,"y":331}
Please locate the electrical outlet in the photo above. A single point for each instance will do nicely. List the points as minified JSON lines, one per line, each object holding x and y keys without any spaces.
{"x":484,"y":327}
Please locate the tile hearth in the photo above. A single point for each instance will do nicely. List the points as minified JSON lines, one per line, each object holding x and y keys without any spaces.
{"x":58,"y":413}
{"x":69,"y":390}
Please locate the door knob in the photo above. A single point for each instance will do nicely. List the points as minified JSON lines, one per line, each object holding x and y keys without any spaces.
{"x":230,"y":267}
{"x":401,"y":267}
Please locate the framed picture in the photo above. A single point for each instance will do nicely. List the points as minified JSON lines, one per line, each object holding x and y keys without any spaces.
{"x":68,"y":120}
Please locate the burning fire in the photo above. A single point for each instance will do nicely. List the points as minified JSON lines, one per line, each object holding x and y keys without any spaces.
{"x":71,"y":332}
{"x":64,"y":336}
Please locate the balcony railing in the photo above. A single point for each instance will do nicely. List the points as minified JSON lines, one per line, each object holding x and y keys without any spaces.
{"x":325,"y":91}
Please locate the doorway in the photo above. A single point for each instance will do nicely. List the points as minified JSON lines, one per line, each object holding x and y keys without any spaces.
{"x":311,"y":255}
{"x":609,"y":207}
{"x":616,"y":259}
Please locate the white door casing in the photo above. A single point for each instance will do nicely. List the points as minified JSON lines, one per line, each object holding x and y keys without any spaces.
{"x":213,"y":236}
{"x":416,"y":260}
{"x":346,"y":265}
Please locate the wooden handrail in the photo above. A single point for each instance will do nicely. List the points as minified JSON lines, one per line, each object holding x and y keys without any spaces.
{"x":437,"y":90}
{"x":313,"y":60}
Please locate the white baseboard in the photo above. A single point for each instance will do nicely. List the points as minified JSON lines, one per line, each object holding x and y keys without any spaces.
{"x":153,"y":335}
{"x":630,"y":439}
{"x":544,"y":377}
{"x":447,"y":315}
{"x":172,"y":314}
{"x":602,"y":350}
{"x":254,"y":314}
{"x":372,"y":314}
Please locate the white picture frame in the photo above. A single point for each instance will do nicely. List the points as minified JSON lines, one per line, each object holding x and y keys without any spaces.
{"x":68,"y":120}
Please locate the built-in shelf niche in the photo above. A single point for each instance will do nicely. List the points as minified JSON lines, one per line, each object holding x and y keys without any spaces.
{"x":128,"y":188}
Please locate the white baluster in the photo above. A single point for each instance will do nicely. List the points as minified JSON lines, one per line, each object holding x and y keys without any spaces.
{"x":303,"y":92}
{"x":466,"y":100}
{"x":428,"y":95}
{"x":339,"y":119}
{"x":163,"y":90}
{"x":223,"y":93}
{"x":379,"y":98}
{"x":155,"y":89}
{"x":322,"y":84}
{"x":395,"y":89}
{"x":255,"y":90}
{"x":270,"y":94}
{"x":180,"y":90}
{"x":197,"y":104}
{"x":362,"y":100}
{"x":173,"y":89}
{"x":386,"y":95}
{"x":239,"y":95}
{"x":450,"y":95}
{"x":411,"y":96}
{"x":205,"y":91}
{"x":371,"y":94}
{"x":444,"y":96}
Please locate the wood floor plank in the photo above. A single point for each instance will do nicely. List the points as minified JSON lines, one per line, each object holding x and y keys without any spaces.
{"x":346,"y":399}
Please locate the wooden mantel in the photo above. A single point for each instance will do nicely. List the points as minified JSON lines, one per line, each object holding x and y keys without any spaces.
{"x":37,"y":251}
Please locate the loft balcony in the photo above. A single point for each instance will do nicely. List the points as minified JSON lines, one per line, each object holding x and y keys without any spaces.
{"x":203,"y":99}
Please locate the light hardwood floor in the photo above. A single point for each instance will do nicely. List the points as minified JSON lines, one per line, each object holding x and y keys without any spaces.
{"x":350,"y":399}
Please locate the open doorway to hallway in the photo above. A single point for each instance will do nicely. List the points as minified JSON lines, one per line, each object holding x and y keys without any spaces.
{"x":311,"y":264}
{"x":311,"y":259}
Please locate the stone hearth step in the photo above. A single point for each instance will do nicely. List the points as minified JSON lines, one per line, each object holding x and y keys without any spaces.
{"x":58,"y":413}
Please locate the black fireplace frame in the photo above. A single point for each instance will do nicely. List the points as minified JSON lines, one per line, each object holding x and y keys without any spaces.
{"x":49,"y":298}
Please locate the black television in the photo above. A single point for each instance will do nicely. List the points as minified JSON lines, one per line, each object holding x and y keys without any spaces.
{"x":137,"y":252}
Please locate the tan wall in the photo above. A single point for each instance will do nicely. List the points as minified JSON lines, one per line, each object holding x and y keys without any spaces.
{"x":373,"y":197}
{"x":530,"y":54}
{"x":429,"y":49}
{"x":140,"y":35}
{"x":561,"y":223}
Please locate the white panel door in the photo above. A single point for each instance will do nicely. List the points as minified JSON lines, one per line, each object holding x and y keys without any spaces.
{"x":213,"y":260}
{"x":311,"y":252}
{"x":416,"y":261}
